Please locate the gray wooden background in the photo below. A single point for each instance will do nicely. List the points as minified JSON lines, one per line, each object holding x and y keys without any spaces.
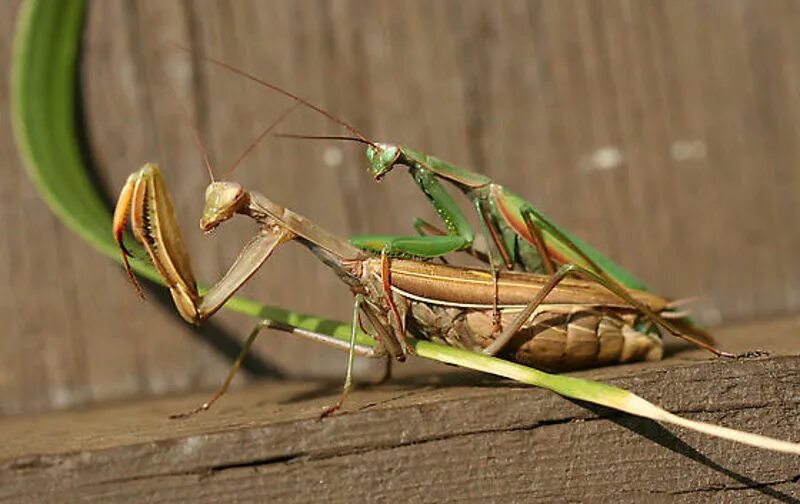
{"x":665,"y":133}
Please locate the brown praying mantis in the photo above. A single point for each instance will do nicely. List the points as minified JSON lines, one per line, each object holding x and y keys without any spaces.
{"x":551,"y":322}
{"x":546,"y":321}
{"x":554,"y":320}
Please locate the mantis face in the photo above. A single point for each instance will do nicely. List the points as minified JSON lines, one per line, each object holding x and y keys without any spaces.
{"x":223,"y":200}
{"x":382,"y":158}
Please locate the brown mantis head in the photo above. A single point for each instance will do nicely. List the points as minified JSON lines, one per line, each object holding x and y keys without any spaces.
{"x":224,"y":199}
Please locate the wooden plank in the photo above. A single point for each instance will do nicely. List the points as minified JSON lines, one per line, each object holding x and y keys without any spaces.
{"x":664,"y":133}
{"x":449,"y":435}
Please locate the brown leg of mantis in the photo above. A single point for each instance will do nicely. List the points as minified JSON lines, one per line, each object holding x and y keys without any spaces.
{"x":383,"y":334}
{"x":361,"y":350}
{"x":492,"y":232}
{"x":387,"y":371}
{"x":497,"y":324}
{"x":572,"y":269}
{"x":388,"y":358}
{"x":385,"y":342}
{"x":231,"y":373}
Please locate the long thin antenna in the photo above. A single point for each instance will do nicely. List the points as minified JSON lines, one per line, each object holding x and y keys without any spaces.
{"x":195,"y":131}
{"x":282,"y":91}
{"x":321,"y":137}
{"x":260,"y":137}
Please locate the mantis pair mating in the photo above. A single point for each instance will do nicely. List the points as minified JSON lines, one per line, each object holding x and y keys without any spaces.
{"x":521,"y":237}
{"x":547,"y":320}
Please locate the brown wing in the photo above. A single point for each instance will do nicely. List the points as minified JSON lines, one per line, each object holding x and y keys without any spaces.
{"x":474,"y":286}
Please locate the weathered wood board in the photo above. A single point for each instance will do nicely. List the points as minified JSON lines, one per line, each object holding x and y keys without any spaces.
{"x":445,"y":436}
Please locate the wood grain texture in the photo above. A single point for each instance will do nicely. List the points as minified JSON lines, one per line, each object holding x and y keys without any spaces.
{"x":443,"y":437}
{"x":664,"y":133}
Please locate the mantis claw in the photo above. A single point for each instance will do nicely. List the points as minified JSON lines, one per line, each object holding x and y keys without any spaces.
{"x":190,"y":413}
{"x":752,"y":354}
{"x":330,"y":410}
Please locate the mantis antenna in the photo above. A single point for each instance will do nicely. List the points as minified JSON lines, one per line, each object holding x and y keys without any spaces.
{"x":260,"y":137}
{"x":322,"y":137}
{"x":200,"y":145}
{"x":195,"y":132}
{"x":286,"y":93}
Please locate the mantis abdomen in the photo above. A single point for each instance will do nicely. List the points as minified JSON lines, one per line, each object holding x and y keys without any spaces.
{"x":556,"y":338}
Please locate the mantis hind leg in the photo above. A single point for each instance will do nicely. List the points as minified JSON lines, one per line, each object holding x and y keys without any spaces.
{"x":586,"y":274}
{"x":528,"y":213}
{"x":538,"y":243}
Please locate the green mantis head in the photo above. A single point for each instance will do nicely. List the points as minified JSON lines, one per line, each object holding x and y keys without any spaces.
{"x":223,"y":200}
{"x":382,"y":158}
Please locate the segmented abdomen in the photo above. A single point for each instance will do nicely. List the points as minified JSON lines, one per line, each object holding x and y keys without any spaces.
{"x":555,"y":339}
